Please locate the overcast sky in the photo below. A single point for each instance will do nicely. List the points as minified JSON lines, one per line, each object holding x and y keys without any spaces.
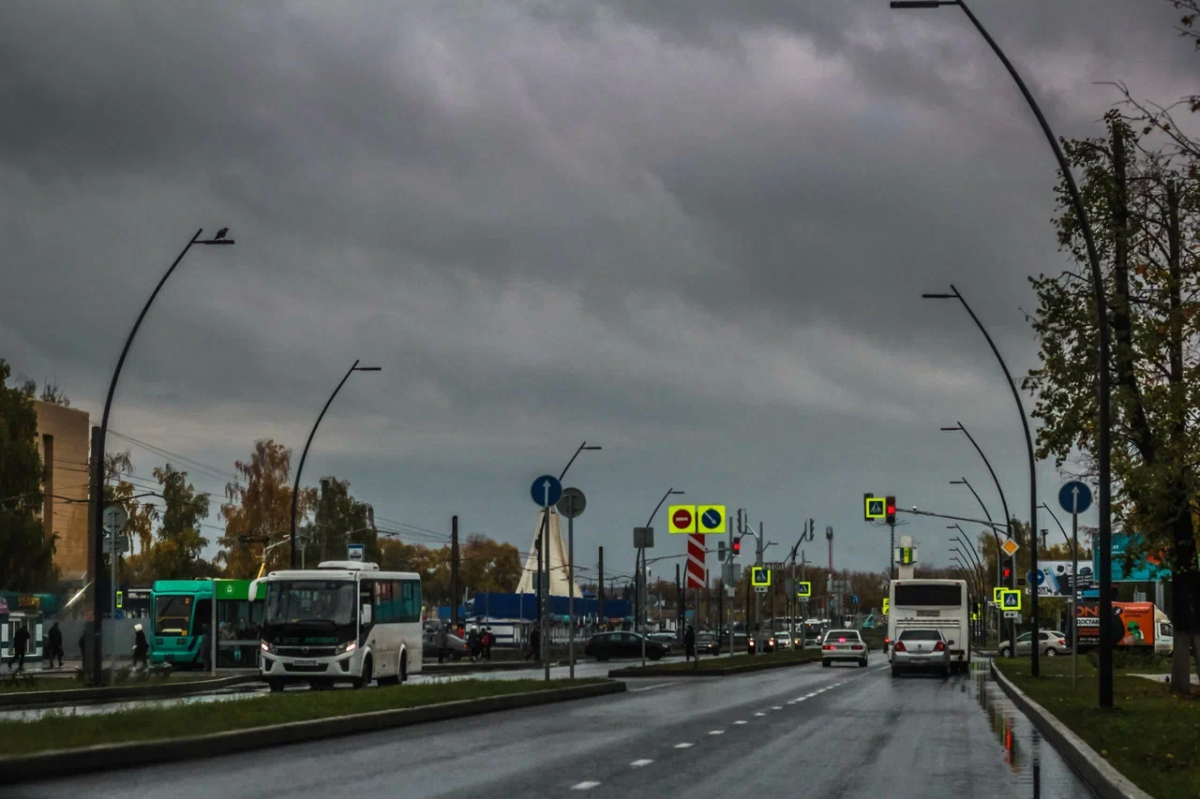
{"x":695,"y":233}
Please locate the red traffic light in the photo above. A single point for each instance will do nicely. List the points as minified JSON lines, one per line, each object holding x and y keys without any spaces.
{"x":737,"y":546}
{"x":1007,"y":572}
{"x":890,"y":509}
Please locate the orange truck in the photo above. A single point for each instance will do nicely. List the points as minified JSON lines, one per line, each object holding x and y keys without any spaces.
{"x":1135,"y":625}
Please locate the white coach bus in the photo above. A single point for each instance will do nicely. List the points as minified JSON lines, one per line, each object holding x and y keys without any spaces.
{"x":344,"y":621}
{"x":933,"y":605}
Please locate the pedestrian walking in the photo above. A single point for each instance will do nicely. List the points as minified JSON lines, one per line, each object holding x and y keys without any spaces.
{"x":56,"y":645}
{"x":689,"y":643}
{"x":206,"y":647}
{"x":443,"y":641}
{"x":535,"y":645}
{"x":488,"y":640}
{"x":141,"y":648}
{"x":20,"y":641}
{"x":475,"y":643}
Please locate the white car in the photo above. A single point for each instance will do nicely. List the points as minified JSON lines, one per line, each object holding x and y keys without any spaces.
{"x":918,"y":650}
{"x":843,"y":645}
{"x":783,"y":641}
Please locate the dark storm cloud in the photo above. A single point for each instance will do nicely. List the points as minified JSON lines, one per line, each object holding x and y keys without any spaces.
{"x":696,"y":232}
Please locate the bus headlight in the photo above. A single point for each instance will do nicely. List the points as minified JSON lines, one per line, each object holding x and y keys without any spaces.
{"x":348,"y":646}
{"x":267,"y":646}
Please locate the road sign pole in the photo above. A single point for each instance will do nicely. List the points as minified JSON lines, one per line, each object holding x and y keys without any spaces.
{"x":571,"y":583}
{"x":758,"y":599}
{"x":544,"y":642}
{"x":641,"y":592}
{"x":1074,"y":589}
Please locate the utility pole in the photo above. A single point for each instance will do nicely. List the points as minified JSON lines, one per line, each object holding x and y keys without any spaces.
{"x":454,"y":572}
{"x":600,"y":595}
{"x":679,"y":611}
{"x":96,"y":531}
{"x":758,"y":598}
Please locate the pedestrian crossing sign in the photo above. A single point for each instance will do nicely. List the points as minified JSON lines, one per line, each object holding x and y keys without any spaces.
{"x":760,"y":577}
{"x":1010,"y":599}
{"x":996,"y":592}
{"x":874,"y":507}
{"x":886,"y":605}
{"x":803,"y":590}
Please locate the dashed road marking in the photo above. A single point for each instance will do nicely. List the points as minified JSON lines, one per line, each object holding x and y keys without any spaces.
{"x":777,"y":707}
{"x":640,"y":763}
{"x":587,"y":785}
{"x":739,"y":721}
{"x":684,"y":745}
{"x":760,"y":714}
{"x":716,"y":732}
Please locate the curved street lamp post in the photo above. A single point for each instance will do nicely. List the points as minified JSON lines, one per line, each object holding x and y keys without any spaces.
{"x":98,"y":453}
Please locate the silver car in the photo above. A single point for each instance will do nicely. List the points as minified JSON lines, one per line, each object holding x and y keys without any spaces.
{"x":1051,"y":643}
{"x":843,"y":645}
{"x":920,"y":650}
{"x":783,"y":641}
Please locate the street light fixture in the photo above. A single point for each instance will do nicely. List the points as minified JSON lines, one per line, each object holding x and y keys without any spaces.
{"x":98,"y":443}
{"x":293,"y":555}
{"x":640,"y":565}
{"x":1104,"y":433}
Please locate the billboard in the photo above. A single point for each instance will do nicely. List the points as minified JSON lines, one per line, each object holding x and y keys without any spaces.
{"x":1133,"y":624}
{"x":1054,"y":578}
{"x":1147,"y":569}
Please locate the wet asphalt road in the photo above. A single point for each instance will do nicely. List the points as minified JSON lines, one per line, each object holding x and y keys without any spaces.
{"x":805,"y":731}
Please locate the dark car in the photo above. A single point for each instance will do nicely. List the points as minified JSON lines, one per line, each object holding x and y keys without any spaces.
{"x":604,"y":646}
{"x":456,"y":648}
{"x":708,"y":644}
{"x":768,"y":640}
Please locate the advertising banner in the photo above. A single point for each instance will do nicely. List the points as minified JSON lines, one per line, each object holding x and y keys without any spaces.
{"x":1055,"y":578}
{"x":1133,"y":624}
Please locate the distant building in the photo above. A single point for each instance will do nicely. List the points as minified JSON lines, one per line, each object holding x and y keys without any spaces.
{"x":63,"y":441}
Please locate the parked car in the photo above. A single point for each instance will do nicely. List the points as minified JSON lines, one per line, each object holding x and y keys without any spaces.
{"x":916,"y":650}
{"x":768,"y":640}
{"x":1052,"y":643}
{"x":604,"y":646}
{"x":708,"y":644}
{"x":783,"y":642}
{"x":843,"y":645}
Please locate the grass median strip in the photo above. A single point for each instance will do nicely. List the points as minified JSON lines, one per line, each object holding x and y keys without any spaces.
{"x":1151,"y":736}
{"x":729,"y":664}
{"x":62,"y":731}
{"x":10,"y":686}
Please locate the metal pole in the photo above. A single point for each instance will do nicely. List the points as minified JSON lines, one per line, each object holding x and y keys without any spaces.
{"x":758,"y":598}
{"x":212,"y":629}
{"x":571,"y":581}
{"x":304,"y":455}
{"x":112,"y":559}
{"x":544,"y":598}
{"x":1104,"y":444}
{"x":892,"y":554}
{"x":454,"y":572}
{"x":600,"y":602}
{"x":641,"y":592}
{"x":1075,"y":590}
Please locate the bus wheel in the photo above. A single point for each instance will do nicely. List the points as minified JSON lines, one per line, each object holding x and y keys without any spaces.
{"x":404,"y":667}
{"x":366,"y":674}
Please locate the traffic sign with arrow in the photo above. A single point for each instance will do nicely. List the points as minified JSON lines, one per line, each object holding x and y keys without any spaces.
{"x":1075,"y":497}
{"x":546,"y":491}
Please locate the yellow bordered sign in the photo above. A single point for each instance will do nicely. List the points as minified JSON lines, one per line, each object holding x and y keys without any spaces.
{"x":875,"y":507}
{"x":1010,"y":599}
{"x":681,"y":519}
{"x":760,"y":577}
{"x":710,"y":519}
{"x":996,"y":592}
{"x":803,"y":590}
{"x":886,"y":605}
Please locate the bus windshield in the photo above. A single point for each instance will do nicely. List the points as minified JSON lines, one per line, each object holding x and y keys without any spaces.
{"x":312,"y":601}
{"x":173,"y":614}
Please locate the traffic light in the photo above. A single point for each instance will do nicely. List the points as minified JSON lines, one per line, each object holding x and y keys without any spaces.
{"x":1007,"y":573}
{"x":737,"y":547}
{"x":721,"y":551}
{"x":891,"y":510}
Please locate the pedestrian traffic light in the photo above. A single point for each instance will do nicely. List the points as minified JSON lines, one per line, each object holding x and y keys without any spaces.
{"x":1007,"y":573}
{"x":737,"y":547}
{"x":891,"y":510}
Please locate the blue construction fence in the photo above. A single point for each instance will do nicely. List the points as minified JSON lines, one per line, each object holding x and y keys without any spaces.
{"x":524,"y":606}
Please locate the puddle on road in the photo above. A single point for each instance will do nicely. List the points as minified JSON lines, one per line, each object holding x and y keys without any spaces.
{"x":1037,"y":767}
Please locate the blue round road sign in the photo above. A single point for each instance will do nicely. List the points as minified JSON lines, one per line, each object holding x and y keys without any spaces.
{"x":1075,"y":497}
{"x":546,"y":491}
{"x":711,"y":519}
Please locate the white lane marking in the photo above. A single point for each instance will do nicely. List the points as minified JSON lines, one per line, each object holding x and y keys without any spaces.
{"x":716,"y":732}
{"x":741,"y":722}
{"x":810,"y":696}
{"x":684,"y":745}
{"x":587,"y":785}
{"x":640,"y":763}
{"x":793,"y":701}
{"x":760,"y":714}
{"x":651,"y":687}
{"x":777,"y":707}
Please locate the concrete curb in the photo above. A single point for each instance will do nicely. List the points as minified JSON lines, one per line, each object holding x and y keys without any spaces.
{"x":104,"y":757}
{"x":18,"y":700}
{"x":469,"y":668}
{"x":1106,"y":781}
{"x":747,"y":668}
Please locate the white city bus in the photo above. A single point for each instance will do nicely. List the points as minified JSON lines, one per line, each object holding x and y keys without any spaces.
{"x":933,"y":605}
{"x":344,"y":621}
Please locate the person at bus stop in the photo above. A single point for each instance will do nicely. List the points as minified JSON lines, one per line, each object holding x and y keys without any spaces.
{"x":535,"y":645}
{"x":205,"y":648}
{"x":141,"y":648}
{"x":475,"y":643}
{"x":689,"y":643}
{"x":56,"y":645}
{"x":20,"y":640}
{"x":488,"y":640}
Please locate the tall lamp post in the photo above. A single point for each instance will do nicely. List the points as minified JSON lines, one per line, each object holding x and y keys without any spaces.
{"x":1104,"y":433}
{"x":995,"y":535}
{"x":958,"y":427}
{"x":304,"y":455}
{"x":98,"y":442}
{"x":1033,"y":503}
{"x":640,"y":597}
